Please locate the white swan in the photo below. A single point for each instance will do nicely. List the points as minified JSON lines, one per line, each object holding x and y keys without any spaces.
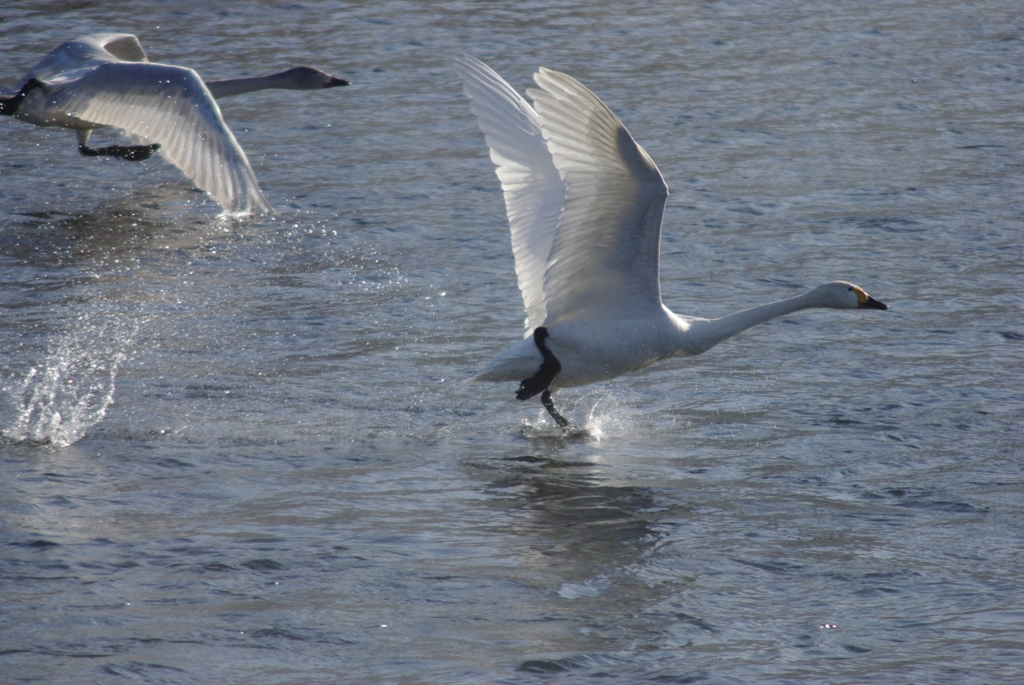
{"x":106,"y":80}
{"x":585,"y":204}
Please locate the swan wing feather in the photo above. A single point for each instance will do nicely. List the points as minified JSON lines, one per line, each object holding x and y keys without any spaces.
{"x":604,"y":259}
{"x":122,"y":46}
{"x":169,"y":105}
{"x":533,"y":189}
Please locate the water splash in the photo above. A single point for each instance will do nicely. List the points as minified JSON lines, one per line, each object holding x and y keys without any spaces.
{"x":56,"y":402}
{"x":607,"y":415}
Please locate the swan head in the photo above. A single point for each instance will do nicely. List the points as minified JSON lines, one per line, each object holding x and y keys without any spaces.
{"x":843,"y":295}
{"x":311,"y":78}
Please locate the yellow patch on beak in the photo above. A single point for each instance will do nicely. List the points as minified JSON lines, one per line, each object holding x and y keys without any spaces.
{"x":862,"y":297}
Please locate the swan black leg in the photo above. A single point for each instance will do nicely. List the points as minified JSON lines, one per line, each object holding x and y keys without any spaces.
{"x":10,"y":105}
{"x":545,"y":399}
{"x":540,"y":381}
{"x":133,"y":153}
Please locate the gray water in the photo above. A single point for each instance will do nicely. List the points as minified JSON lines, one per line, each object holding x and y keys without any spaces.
{"x":245,"y":451}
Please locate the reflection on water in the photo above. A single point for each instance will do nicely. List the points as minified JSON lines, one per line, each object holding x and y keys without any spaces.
{"x":582,"y":539}
{"x":582,"y":518}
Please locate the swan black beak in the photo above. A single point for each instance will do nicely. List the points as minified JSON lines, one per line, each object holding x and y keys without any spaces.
{"x":872,"y":303}
{"x":335,"y":82}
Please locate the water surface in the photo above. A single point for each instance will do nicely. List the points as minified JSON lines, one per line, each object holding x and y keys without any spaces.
{"x":244,"y":451}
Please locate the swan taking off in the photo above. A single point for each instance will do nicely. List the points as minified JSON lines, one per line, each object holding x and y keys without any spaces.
{"x":106,"y":80}
{"x":585,"y":204}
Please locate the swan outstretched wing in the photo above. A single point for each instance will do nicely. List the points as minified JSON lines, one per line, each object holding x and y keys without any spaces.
{"x":604,"y":259}
{"x":158,"y":103}
{"x":69,"y":61}
{"x":534,"y":192}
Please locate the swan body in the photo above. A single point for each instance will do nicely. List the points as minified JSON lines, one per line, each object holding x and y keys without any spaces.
{"x":107,"y":80}
{"x":585,"y":205}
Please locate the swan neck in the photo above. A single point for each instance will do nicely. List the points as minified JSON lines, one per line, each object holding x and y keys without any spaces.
{"x":237,"y":86}
{"x":734,"y":324}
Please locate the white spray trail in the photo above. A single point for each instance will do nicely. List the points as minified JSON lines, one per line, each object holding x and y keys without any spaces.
{"x":57,"y":401}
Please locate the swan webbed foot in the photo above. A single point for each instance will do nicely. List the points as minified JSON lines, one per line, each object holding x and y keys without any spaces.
{"x":132,"y":153}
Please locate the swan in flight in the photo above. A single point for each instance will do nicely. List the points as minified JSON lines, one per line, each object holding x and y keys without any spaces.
{"x":106,"y":80}
{"x":585,"y":205}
